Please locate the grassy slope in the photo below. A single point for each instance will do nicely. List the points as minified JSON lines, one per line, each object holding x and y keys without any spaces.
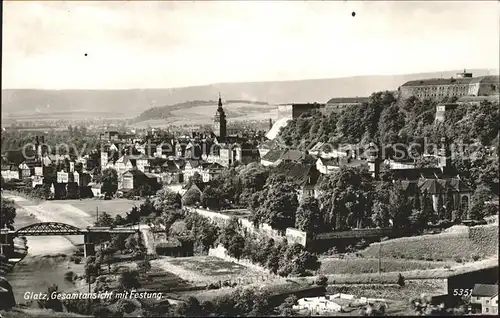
{"x":370,"y":265}
{"x":438,"y":247}
{"x":203,"y":114}
{"x":36,"y":313}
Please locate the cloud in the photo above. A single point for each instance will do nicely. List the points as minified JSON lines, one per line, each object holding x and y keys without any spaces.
{"x":168,"y":44}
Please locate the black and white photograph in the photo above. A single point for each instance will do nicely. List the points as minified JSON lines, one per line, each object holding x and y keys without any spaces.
{"x":249,"y":158}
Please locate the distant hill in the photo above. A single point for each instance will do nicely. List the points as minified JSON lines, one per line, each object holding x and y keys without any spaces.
{"x":202,"y":113}
{"x":131,"y":102}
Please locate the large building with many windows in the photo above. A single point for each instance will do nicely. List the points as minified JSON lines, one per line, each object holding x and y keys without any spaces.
{"x":463,"y":85}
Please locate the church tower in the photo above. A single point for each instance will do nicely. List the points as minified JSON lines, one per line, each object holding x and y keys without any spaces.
{"x":220,"y":121}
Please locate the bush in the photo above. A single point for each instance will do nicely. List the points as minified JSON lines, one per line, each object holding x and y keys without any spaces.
{"x":458,"y":259}
{"x":69,"y":276}
{"x":322,"y":281}
{"x":76,"y":259}
{"x":475,"y":258}
{"x":401,"y":280}
{"x":125,"y":306}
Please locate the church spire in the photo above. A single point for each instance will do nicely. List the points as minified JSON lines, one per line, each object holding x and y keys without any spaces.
{"x":220,"y":101}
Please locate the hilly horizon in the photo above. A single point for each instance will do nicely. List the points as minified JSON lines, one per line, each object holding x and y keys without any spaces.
{"x":129,"y":103}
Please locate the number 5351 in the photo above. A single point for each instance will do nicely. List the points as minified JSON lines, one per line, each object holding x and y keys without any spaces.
{"x":462,"y":292}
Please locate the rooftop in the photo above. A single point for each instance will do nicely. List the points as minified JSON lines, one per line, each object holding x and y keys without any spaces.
{"x":485,"y":290}
{"x":342,"y":100}
{"x":438,"y":81}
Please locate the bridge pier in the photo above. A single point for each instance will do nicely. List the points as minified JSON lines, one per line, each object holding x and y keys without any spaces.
{"x":88,"y":246}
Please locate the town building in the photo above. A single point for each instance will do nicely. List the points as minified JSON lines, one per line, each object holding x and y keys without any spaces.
{"x":292,"y":111}
{"x":439,"y":88}
{"x":306,"y":176}
{"x":220,"y":122}
{"x":337,"y":104}
{"x":443,"y":109}
{"x":277,"y":155}
{"x":484,"y":298}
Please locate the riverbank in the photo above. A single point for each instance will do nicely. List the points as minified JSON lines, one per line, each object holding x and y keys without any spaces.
{"x":46,"y":260}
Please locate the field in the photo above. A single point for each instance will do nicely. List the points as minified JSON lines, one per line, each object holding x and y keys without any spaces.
{"x":80,"y":213}
{"x":203,"y":114}
{"x":435,"y":247}
{"x":207,"y":269}
{"x":112,"y":207}
{"x":332,"y":265}
{"x":392,"y":291}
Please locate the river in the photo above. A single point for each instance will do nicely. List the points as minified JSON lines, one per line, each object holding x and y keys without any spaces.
{"x":44,"y":265}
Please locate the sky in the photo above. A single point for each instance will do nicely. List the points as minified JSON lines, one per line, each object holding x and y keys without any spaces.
{"x":146,"y":44}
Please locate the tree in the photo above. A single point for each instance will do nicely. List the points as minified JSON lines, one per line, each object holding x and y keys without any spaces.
{"x":478,"y":208}
{"x":449,"y":205}
{"x":143,"y":267}
{"x":191,"y":197}
{"x":43,"y":191}
{"x":401,"y":280}
{"x":380,"y":216}
{"x":427,"y":208}
{"x":286,"y":308}
{"x":105,"y":220}
{"x":236,"y":246}
{"x":109,"y":181}
{"x":8,"y":214}
{"x":416,"y":200}
{"x":440,"y":207}
{"x":196,"y":178}
{"x":118,"y":241}
{"x":108,"y":255}
{"x":345,"y":197}
{"x":92,"y":267}
{"x":191,"y":308}
{"x":167,"y":200}
{"x":308,"y":217}
{"x":322,"y":281}
{"x":119,"y":220}
{"x":297,"y":261}
{"x":129,"y":280}
{"x":51,"y":302}
{"x":399,"y":207}
{"x":211,"y":198}
{"x":279,"y":206}
{"x":134,"y":216}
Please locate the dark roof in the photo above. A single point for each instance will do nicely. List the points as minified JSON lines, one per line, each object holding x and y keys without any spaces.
{"x":414,"y":174}
{"x":194,"y":163}
{"x":485,"y":290}
{"x":157,"y":162}
{"x":438,"y":81}
{"x":409,"y":187}
{"x":294,"y":155}
{"x":201,"y":185}
{"x":180,"y":163}
{"x":269,"y":144}
{"x":432,"y":186}
{"x":348,"y":100}
{"x":143,"y":157}
{"x":170,"y":166}
{"x":334,"y":161}
{"x":274,"y":154}
{"x":136,"y":173}
{"x":215,"y":165}
{"x":302,"y":174}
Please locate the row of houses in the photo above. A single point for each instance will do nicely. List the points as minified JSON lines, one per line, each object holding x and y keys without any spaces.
{"x":437,"y":181}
